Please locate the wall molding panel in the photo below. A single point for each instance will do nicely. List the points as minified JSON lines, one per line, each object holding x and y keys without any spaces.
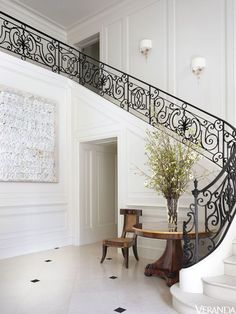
{"x":35,"y":216}
{"x":171,"y":43}
{"x":130,"y":133}
{"x":214,"y":90}
{"x":113,"y":46}
{"x":230,"y":20}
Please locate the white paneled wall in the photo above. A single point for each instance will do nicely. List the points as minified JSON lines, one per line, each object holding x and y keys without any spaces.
{"x":97,"y":119}
{"x":149,"y":22}
{"x":114,"y":51}
{"x":35,"y":216}
{"x":200,"y":30}
{"x":179,"y":30}
{"x":38,"y":216}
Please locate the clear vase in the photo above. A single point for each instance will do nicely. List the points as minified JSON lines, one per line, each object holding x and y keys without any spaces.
{"x":172,"y":212}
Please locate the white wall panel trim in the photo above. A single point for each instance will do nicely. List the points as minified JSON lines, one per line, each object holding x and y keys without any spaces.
{"x":28,"y":235}
{"x":29,"y":210}
{"x":126,"y":44}
{"x":171,"y":29}
{"x":18,"y":246}
{"x":35,"y":216}
{"x":24,"y":202}
{"x":33,"y":19}
{"x":230,"y":20}
{"x":223,"y":60}
{"x":106,"y":58}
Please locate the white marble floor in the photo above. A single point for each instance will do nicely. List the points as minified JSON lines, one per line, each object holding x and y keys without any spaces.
{"x":73,"y":281}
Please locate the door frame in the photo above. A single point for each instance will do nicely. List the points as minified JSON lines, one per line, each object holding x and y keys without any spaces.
{"x":76,"y":187}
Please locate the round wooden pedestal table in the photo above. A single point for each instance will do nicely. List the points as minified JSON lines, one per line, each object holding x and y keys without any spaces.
{"x":170,"y":263}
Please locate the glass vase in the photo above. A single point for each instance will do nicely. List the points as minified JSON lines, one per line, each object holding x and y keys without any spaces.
{"x":172,"y":212}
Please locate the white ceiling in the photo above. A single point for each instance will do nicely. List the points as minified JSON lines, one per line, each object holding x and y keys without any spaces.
{"x":66,"y":13}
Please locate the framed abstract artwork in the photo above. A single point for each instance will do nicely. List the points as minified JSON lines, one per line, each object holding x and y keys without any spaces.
{"x":27,"y":137}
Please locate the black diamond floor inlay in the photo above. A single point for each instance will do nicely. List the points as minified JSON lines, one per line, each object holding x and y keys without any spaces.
{"x":56,"y":248}
{"x":48,"y":261}
{"x":109,"y":258}
{"x":35,"y":280}
{"x":113,"y":277}
{"x":119,"y":310}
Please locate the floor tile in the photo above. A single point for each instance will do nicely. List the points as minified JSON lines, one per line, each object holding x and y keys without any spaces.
{"x":75,"y":282}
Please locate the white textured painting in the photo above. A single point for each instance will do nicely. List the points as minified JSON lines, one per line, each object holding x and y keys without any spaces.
{"x":27,"y":137}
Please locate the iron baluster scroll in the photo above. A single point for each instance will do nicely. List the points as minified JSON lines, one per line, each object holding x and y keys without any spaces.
{"x":27,"y":43}
{"x":217,"y":201}
{"x":158,"y":108}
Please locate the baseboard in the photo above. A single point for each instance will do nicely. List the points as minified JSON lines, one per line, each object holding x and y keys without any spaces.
{"x":32,"y":245}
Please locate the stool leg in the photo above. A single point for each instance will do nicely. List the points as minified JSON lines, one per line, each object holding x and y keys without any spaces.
{"x":126,"y":252}
{"x":104,"y":253}
{"x":123,"y":252}
{"x":135,"y":250}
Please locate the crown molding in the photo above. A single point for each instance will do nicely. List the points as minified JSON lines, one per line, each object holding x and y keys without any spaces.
{"x":33,"y":19}
{"x":38,"y":14}
{"x":108,"y":9}
{"x":97,"y":20}
{"x":17,"y":5}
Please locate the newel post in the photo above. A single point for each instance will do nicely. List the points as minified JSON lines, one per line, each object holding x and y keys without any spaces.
{"x":195,"y":193}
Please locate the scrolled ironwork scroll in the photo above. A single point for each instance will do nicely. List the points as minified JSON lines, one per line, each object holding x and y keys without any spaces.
{"x":21,"y":40}
{"x":218,"y":203}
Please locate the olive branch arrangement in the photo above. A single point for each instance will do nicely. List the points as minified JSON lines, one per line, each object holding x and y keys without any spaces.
{"x":170,"y":163}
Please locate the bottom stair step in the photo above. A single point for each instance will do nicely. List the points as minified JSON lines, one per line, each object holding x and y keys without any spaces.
{"x":230,"y":265}
{"x":220,"y":287}
{"x":196,"y":303}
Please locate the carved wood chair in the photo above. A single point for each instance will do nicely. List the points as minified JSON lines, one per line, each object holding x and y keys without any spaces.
{"x":131,"y":217}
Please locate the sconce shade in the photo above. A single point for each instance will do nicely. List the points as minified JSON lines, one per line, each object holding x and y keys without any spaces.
{"x":198,"y":64}
{"x":145,"y":46}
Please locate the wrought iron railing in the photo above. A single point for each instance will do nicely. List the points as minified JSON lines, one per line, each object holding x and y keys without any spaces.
{"x":154,"y":106}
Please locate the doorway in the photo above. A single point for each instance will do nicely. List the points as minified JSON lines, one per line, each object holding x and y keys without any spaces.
{"x":91,"y":48}
{"x":98,"y":190}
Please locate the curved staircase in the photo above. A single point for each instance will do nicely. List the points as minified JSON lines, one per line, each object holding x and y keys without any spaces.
{"x":216,"y":137}
{"x":219,"y":292}
{"x":196,"y":303}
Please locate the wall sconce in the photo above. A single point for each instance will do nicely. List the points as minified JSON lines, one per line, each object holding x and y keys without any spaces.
{"x":198,"y":64}
{"x":145,"y":46}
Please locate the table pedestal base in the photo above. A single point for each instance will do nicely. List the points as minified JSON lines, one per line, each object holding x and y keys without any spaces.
{"x":169,"y":264}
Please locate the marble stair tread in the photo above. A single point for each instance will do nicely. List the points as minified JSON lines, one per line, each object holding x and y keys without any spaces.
{"x":194,"y":300}
{"x":234,"y":246}
{"x":225,"y":281}
{"x":230,"y":260}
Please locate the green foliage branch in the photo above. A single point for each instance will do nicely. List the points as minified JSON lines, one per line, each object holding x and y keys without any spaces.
{"x":170,"y":163}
